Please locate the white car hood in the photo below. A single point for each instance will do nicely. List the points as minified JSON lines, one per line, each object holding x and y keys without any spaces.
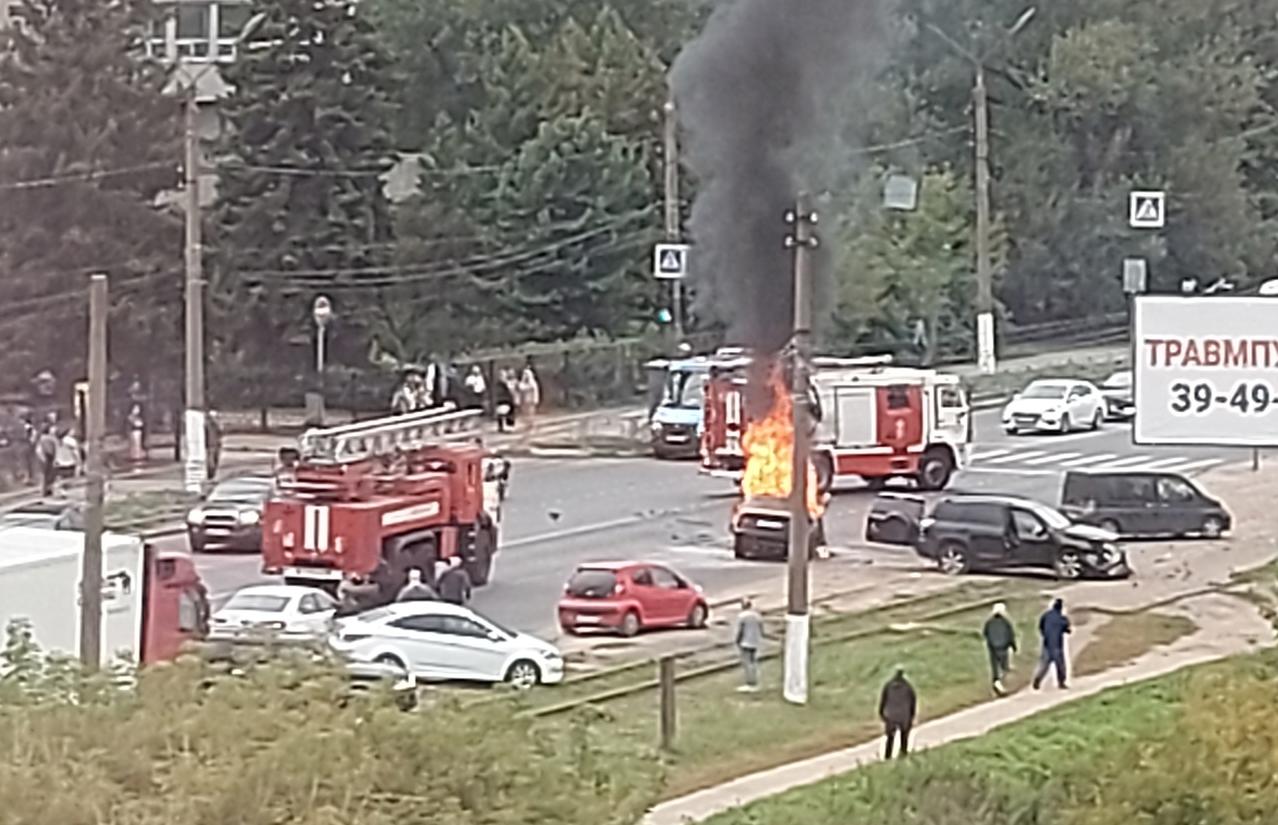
{"x":1033,"y":406}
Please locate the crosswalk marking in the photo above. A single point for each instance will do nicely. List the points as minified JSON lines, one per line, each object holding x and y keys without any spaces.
{"x":1160,"y":464}
{"x":1200,"y":465}
{"x":1008,"y":459}
{"x":1052,"y":458}
{"x":982,"y":455}
{"x":1123,"y":463}
{"x":1089,"y":459}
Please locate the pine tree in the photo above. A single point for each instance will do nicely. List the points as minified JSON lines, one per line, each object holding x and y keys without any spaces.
{"x":87,"y":143}
{"x":301,"y":208}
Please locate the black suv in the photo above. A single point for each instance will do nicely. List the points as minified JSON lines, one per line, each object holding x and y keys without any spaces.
{"x":1142,"y":504}
{"x":974,"y":533}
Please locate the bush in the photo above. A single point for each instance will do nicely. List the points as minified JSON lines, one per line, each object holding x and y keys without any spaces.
{"x":289,"y":743}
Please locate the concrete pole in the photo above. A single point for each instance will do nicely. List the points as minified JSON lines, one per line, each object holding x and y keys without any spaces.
{"x":95,"y":428}
{"x":984,"y":274}
{"x":673,"y":230}
{"x":797,"y":620}
{"x":193,"y":423}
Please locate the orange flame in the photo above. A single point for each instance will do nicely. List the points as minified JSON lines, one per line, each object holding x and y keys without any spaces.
{"x":768,"y":444}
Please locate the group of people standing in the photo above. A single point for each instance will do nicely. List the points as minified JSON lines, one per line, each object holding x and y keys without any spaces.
{"x":511,"y":397}
{"x":358,"y":593}
{"x":898,"y":701}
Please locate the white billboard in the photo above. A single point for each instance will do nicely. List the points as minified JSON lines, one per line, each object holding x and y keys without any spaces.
{"x":1206,"y":371}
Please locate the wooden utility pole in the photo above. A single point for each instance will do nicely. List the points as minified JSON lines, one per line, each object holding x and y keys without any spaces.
{"x":193,"y":422}
{"x":674,"y":233}
{"x":797,"y":626}
{"x":95,"y":427}
{"x":984,"y":269}
{"x":666,"y":679}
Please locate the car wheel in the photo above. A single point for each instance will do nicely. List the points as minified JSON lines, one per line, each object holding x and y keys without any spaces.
{"x":697,"y":618}
{"x":953,"y":559}
{"x":935,"y":469}
{"x":523,"y":675}
{"x":629,"y":624}
{"x":1111,"y":526}
{"x":1069,"y":565}
{"x":1096,"y":419}
{"x":1213,"y":527}
{"x":1066,"y":424}
{"x":392,"y":661}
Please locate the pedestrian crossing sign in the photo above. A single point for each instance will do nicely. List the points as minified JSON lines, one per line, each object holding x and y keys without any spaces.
{"x":1147,"y":210}
{"x":670,"y":261}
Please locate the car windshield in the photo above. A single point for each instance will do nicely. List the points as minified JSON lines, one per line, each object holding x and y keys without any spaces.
{"x":685,"y":389}
{"x":1053,"y":518}
{"x":592,"y":583}
{"x":241,"y":489}
{"x":1044,"y":391}
{"x":258,"y":602}
{"x":1119,"y":380}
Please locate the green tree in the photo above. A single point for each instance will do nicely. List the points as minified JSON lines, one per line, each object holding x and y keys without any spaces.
{"x":87,"y":143}
{"x":301,"y":207}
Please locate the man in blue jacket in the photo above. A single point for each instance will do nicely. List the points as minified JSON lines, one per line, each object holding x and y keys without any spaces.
{"x":1053,"y":627}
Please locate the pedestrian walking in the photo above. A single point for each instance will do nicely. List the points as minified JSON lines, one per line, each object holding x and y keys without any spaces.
{"x":504,"y":396}
{"x":1053,"y":626}
{"x":67,"y":457}
{"x":212,"y":444}
{"x":416,"y":590}
{"x":1000,"y":643}
{"x":454,"y":583}
{"x":30,"y":452}
{"x":47,"y":449}
{"x":529,"y":394}
{"x":898,"y":705}
{"x":476,"y":388}
{"x":749,"y":638}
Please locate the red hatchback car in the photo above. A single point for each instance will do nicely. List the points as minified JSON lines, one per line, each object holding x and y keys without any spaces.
{"x":628,"y":597}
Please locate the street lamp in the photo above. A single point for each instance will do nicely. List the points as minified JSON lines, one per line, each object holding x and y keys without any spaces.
{"x":193,"y":424}
{"x":981,"y":114}
{"x":322,"y":312}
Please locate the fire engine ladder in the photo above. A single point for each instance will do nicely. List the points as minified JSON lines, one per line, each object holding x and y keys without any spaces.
{"x":386,"y":436}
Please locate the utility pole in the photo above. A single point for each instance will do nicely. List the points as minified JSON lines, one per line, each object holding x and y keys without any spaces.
{"x":986,"y":358}
{"x":196,"y":472}
{"x":95,"y":427}
{"x":797,"y":620}
{"x":673,"y":232}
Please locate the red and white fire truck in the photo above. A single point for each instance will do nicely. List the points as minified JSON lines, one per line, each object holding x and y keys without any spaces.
{"x":381,"y":497}
{"x":878,"y":422}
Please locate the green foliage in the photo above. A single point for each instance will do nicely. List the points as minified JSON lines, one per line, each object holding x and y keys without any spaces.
{"x":87,"y":142}
{"x":289,"y":742}
{"x":299,"y":177}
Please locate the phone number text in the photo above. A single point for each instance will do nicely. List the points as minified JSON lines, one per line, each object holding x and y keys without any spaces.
{"x":1248,"y":398}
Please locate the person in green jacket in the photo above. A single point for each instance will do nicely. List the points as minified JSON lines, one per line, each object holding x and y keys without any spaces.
{"x":1000,"y":643}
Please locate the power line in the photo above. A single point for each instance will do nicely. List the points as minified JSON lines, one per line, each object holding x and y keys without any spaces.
{"x":82,"y":177}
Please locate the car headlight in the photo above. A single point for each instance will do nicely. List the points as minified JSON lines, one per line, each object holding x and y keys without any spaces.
{"x":656,"y":426}
{"x":249,"y":517}
{"x":195,"y":516}
{"x":551,"y":655}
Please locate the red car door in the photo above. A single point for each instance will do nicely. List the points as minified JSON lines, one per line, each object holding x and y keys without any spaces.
{"x":675,"y":599}
{"x":643,"y":590}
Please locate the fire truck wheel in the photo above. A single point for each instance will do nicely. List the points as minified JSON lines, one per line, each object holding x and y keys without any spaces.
{"x":935,"y":470}
{"x":523,"y":674}
{"x":824,"y":467}
{"x":629,"y":624}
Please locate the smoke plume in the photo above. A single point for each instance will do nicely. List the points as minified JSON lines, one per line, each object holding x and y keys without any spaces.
{"x":755,"y":92}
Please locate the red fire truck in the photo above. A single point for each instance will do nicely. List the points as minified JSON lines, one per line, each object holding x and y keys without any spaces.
{"x":379,"y":498}
{"x":878,"y":422}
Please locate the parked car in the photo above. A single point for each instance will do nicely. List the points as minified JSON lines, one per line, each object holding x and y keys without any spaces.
{"x":274,"y":612}
{"x":628,"y":597}
{"x":1120,"y":403}
{"x":990,"y":532}
{"x":440,"y":642}
{"x":230,"y":517}
{"x":1134,"y":503}
{"x":1055,"y":406}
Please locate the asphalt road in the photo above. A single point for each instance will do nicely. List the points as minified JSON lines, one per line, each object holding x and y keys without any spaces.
{"x":562,"y":512}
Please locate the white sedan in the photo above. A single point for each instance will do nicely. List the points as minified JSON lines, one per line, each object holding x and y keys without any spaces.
{"x":1056,"y":406}
{"x":436,"y":641}
{"x":279,"y":612}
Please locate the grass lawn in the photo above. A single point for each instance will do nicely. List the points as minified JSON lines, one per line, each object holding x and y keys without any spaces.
{"x":1013,"y":776}
{"x":1124,"y":637}
{"x":136,"y":507}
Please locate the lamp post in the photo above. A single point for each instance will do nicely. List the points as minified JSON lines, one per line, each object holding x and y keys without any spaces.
{"x":981,"y":125}
{"x":193,"y":423}
{"x":322,"y":312}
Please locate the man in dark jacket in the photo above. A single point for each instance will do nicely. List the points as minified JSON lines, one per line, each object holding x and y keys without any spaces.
{"x":1000,"y":643}
{"x":416,"y":590}
{"x":1053,"y":626}
{"x":897,"y":707}
{"x":454,"y":583}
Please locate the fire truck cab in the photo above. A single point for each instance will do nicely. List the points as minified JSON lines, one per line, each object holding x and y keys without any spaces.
{"x":380,"y":498}
{"x":878,"y":422}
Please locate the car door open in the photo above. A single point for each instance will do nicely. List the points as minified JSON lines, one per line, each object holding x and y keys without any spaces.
{"x":894,"y":519}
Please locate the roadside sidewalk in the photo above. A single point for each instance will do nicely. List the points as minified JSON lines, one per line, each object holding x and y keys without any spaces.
{"x":1235,"y":628}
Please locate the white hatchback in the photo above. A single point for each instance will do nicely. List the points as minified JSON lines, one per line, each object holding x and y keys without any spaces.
{"x":436,"y":641}
{"x":274,"y":612}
